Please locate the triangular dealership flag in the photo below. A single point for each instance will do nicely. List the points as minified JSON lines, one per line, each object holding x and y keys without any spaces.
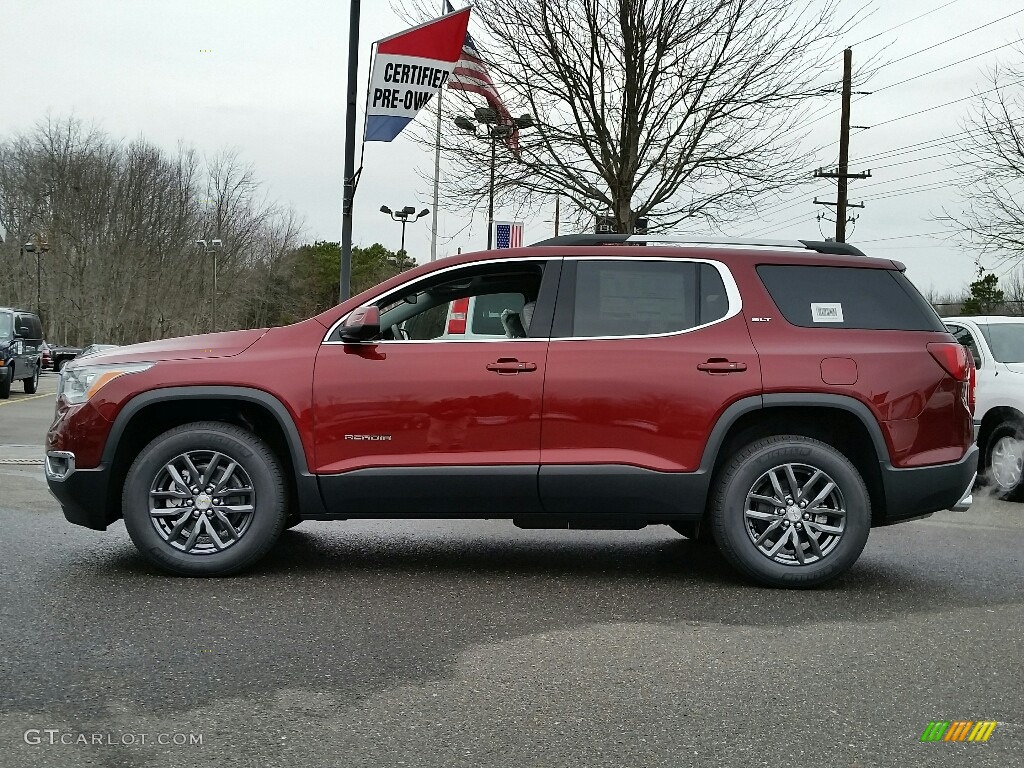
{"x":408,"y":70}
{"x":471,"y":75}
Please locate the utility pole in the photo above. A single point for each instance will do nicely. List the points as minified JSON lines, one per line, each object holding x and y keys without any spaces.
{"x":558,"y":200}
{"x":842,"y":174}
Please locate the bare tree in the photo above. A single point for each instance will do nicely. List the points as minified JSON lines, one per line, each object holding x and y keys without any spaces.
{"x":664,"y":109}
{"x":121,"y":222}
{"x":992,"y":220}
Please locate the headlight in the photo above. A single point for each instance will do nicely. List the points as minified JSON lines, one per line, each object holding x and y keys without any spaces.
{"x":79,"y":383}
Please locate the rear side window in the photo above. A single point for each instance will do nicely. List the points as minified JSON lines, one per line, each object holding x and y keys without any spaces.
{"x":848,"y":297}
{"x":637,"y":298}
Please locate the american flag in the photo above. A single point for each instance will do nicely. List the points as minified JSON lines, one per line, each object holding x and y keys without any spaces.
{"x":471,"y":75}
{"x":508,"y":234}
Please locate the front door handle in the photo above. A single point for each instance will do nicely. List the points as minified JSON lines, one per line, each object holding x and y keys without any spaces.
{"x":510,"y":365}
{"x":721,"y":366}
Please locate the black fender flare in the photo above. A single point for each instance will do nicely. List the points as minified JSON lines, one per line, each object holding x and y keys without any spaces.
{"x":791,"y":400}
{"x":307,"y":488}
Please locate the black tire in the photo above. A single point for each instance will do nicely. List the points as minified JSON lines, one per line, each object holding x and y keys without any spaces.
{"x":254,"y":460}
{"x":5,"y":387}
{"x":734,"y":530}
{"x":1007,"y":488}
{"x":60,"y":365}
{"x":32,"y":383}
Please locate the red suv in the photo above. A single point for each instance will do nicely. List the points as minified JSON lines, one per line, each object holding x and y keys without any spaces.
{"x":780,"y":397}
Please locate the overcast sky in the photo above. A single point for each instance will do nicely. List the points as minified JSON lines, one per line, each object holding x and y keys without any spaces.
{"x":268,"y":78}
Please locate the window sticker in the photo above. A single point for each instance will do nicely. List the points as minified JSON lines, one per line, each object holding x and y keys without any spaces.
{"x":827,"y":313}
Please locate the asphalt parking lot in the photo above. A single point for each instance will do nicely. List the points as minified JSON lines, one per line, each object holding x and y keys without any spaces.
{"x":437,"y":643}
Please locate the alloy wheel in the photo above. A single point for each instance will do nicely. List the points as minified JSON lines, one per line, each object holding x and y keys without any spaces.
{"x":202,"y":502}
{"x":795,"y":514}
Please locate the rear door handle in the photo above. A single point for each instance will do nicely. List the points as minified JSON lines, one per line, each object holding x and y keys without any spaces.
{"x":510,"y":365}
{"x":721,"y":366}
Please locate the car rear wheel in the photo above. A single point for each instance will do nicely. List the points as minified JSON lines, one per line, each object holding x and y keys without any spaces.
{"x":32,"y":384}
{"x":1004,"y":457}
{"x":205,"y":499}
{"x":791,"y":511}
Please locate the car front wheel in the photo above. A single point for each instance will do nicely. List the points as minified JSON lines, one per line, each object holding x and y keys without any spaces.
{"x":205,"y":499}
{"x":791,"y":511}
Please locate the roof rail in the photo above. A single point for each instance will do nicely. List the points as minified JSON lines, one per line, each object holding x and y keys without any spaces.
{"x":821,"y":246}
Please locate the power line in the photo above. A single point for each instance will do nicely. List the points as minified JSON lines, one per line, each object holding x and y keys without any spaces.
{"x":947,"y":66}
{"x":950,"y":39}
{"x":945,"y":104}
{"x":905,"y":237}
{"x":904,"y":23}
{"x":913,"y":175}
{"x":922,"y":146}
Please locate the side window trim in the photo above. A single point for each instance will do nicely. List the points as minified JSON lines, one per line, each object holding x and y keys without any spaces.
{"x":565,"y":305}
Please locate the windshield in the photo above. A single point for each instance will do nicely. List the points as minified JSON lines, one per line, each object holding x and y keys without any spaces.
{"x":6,"y":320}
{"x":1006,"y":340}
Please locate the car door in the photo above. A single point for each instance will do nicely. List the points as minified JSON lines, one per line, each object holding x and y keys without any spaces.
{"x":645,"y":355}
{"x":31,"y":335}
{"x":424,"y":422}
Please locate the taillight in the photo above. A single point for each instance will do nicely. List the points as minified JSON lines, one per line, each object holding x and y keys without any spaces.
{"x":457,"y":318}
{"x":952,"y":357}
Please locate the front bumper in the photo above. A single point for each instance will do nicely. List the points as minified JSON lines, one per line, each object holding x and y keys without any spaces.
{"x":82,"y":493}
{"x":919,"y":491}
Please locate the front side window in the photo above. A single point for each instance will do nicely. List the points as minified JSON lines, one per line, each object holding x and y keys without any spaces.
{"x":1006,"y":340}
{"x":641,"y":298}
{"x":6,"y":325}
{"x":482,"y":302}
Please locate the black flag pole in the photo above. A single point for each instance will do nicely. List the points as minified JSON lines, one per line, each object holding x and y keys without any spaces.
{"x":351,"y":177}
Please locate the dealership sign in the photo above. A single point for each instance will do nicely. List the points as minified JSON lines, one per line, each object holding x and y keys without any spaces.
{"x":408,"y":69}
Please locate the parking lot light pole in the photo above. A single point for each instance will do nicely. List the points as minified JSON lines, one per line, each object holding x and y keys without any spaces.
{"x":405,"y":215}
{"x":38,"y":249}
{"x":493,"y":132}
{"x":214,"y":247}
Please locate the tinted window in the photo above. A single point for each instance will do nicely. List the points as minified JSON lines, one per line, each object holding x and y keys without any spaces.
{"x":848,"y":297}
{"x":630,"y":298}
{"x":33,"y":328}
{"x":1006,"y":340}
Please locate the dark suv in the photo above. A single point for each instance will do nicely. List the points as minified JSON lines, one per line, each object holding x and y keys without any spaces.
{"x":21,"y":357}
{"x":781,"y":398}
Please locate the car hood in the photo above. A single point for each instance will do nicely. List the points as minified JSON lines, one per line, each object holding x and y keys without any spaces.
{"x":207,"y":345}
{"x":1014,"y":367}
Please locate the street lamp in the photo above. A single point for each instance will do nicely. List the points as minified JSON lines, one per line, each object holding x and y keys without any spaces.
{"x":493,"y":131}
{"x":405,"y":215}
{"x":38,"y":249}
{"x":214,"y":247}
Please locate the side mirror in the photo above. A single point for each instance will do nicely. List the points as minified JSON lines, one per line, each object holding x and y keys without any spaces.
{"x":361,"y":324}
{"x":22,"y":331}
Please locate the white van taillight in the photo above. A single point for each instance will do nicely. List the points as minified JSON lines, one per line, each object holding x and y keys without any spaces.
{"x":457,"y":318}
{"x":972,"y":383}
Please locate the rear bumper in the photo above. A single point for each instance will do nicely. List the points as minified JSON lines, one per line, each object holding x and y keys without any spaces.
{"x":919,"y":491}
